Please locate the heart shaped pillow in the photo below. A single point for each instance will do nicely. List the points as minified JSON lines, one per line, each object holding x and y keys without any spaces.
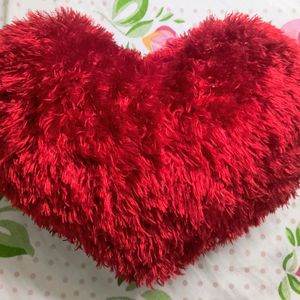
{"x":148,"y":162}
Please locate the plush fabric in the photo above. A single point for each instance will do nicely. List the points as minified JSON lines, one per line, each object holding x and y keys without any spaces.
{"x":148,"y":162}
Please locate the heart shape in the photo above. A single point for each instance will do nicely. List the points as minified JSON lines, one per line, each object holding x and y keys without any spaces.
{"x":148,"y":162}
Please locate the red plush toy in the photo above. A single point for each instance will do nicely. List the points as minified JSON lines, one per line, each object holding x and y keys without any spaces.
{"x":148,"y":162}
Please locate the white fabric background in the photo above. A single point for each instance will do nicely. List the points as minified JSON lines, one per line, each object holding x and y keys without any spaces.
{"x":3,"y":11}
{"x":250,"y":268}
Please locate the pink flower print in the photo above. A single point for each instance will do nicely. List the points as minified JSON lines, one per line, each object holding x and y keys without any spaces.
{"x":159,"y":37}
{"x":292,"y":29}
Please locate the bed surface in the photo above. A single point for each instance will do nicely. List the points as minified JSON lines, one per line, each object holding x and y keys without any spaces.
{"x":250,"y":268}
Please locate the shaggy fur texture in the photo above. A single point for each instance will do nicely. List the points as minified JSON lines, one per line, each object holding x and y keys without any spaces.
{"x":148,"y":162}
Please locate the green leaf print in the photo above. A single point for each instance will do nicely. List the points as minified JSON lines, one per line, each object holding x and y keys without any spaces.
{"x":156,"y":295}
{"x":139,"y":29}
{"x":140,"y":11}
{"x":119,"y":298}
{"x":178,"y":21}
{"x":290,"y":236}
{"x":166,"y":17}
{"x":131,"y":286}
{"x":284,"y":290}
{"x":6,"y":251}
{"x":159,"y":12}
{"x":298,"y":234}
{"x":290,"y":262}
{"x":120,"y":281}
{"x":17,"y":237}
{"x":294,"y":283}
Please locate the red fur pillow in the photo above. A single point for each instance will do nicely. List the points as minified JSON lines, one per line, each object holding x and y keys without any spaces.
{"x":148,"y":162}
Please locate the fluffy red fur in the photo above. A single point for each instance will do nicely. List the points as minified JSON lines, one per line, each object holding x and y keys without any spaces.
{"x":148,"y":162}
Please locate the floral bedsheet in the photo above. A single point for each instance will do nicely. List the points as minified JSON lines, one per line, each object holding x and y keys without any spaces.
{"x":263,"y":265}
